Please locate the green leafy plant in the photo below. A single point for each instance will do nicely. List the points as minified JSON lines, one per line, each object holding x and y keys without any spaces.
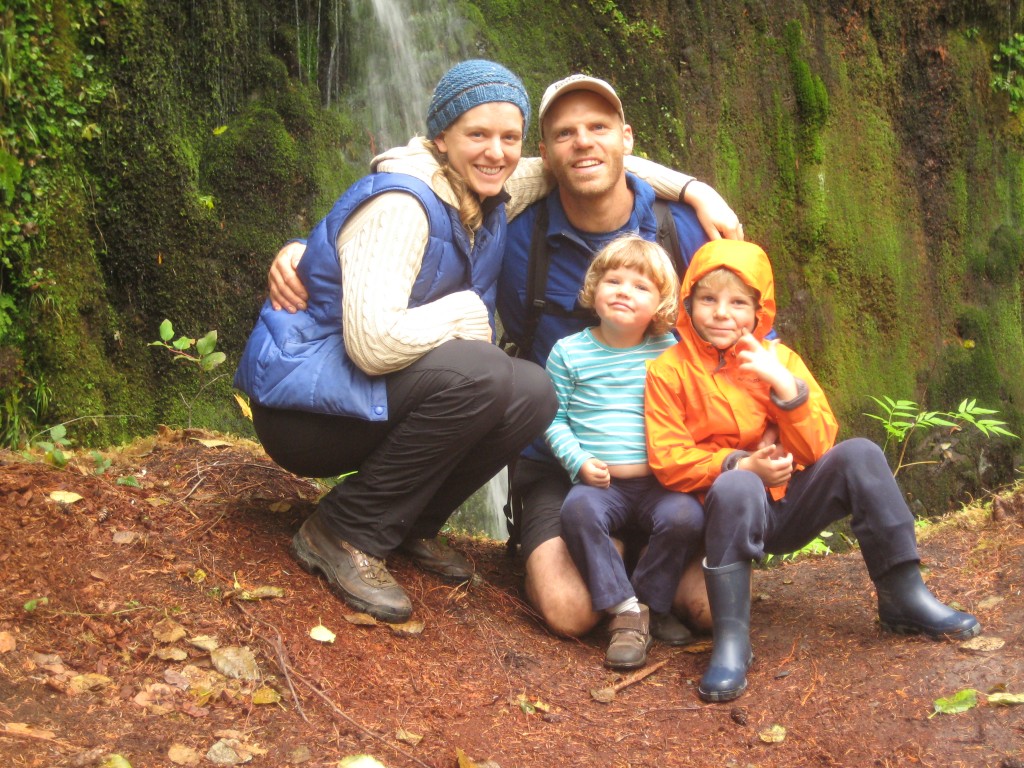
{"x":54,"y":448}
{"x":34,"y":603}
{"x":901,"y":418}
{"x":201,"y":353}
{"x":1011,"y":81}
{"x":102,"y":462}
{"x":817,"y":547}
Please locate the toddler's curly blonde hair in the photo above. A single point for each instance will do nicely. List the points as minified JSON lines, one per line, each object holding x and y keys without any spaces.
{"x":650,"y":260}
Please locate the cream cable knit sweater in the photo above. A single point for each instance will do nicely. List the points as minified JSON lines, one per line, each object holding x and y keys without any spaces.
{"x":381,"y":249}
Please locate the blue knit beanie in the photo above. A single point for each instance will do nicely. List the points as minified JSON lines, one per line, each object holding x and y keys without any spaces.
{"x":470,"y":84}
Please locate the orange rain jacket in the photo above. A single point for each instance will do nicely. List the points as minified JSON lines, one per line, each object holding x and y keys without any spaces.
{"x":701,"y":410}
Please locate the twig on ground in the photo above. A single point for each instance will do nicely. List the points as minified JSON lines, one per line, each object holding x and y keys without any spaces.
{"x":606,"y":694}
{"x":281,"y":657}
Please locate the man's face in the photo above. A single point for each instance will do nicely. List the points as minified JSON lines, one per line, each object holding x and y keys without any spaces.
{"x":584,"y":143}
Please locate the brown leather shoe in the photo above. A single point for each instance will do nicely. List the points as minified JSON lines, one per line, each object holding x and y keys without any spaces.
{"x":436,"y":556}
{"x":361,"y":580}
{"x":631,"y":637}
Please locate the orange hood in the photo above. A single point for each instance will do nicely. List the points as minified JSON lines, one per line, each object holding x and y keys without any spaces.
{"x":749,"y":262}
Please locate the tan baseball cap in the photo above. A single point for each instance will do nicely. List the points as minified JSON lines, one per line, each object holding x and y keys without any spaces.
{"x":578,"y":83}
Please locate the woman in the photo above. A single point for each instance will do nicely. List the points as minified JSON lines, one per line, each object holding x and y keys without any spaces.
{"x":390,"y":370}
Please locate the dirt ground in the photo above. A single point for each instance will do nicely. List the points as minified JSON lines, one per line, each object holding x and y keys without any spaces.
{"x":139,"y":626}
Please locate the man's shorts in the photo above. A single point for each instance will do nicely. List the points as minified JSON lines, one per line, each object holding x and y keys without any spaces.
{"x":541,"y":487}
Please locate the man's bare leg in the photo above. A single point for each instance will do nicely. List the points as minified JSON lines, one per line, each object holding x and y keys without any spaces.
{"x":555,"y":588}
{"x":691,"y":603}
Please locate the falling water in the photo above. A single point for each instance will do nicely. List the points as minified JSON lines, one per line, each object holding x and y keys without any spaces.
{"x":399,"y":49}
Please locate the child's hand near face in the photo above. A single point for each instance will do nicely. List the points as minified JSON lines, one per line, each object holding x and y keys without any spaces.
{"x":595,"y":472}
{"x":762,"y":361}
{"x":773,"y":464}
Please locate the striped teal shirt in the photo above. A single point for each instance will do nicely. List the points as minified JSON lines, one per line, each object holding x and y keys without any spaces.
{"x":600,"y":400}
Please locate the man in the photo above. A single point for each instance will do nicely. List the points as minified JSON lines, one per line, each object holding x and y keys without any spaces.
{"x":584,"y":142}
{"x":585,"y":147}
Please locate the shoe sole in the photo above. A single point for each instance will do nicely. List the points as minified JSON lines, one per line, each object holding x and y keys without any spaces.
{"x":915,"y":629}
{"x":720,"y":696}
{"x":313,"y":564}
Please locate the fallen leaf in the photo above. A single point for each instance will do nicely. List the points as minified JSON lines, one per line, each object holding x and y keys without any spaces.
{"x":774,"y":735}
{"x":280,"y":506}
{"x":157,"y":698}
{"x":87,"y":682}
{"x":211,"y":443}
{"x":179,"y":754}
{"x":169,"y":653}
{"x":265,"y":695}
{"x":234,"y":661}
{"x":168,"y":631}
{"x":126,"y":537}
{"x":259,"y":593}
{"x":28,"y":730}
{"x":360,"y":761}
{"x":982,"y":644}
{"x":322,"y":634}
{"x":408,"y":629}
{"x":361,"y":619}
{"x":408,"y":736}
{"x":7,"y":642}
{"x":961,"y":701}
{"x":243,"y":406}
{"x":1006,"y":699}
{"x":115,"y":761}
{"x":65,"y":497}
{"x":204,"y":642}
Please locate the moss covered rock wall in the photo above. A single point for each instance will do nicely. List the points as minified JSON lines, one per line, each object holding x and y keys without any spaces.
{"x":860,"y":143}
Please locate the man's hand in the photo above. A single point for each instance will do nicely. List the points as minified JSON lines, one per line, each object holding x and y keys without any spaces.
{"x":595,"y":472}
{"x":715,"y":215}
{"x":286,"y":290}
{"x":773,"y":464}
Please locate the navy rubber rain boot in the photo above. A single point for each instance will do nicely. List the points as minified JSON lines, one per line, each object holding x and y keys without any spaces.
{"x":729,"y":596}
{"x":907,"y":607}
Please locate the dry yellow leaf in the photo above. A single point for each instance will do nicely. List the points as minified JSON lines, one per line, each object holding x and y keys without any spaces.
{"x":322,"y":634}
{"x":265,"y":695}
{"x":65,"y":497}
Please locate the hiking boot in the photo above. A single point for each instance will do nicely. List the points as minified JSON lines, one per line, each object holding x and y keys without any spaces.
{"x":667,"y":629}
{"x":361,"y":580}
{"x":631,"y":637}
{"x":436,"y":556}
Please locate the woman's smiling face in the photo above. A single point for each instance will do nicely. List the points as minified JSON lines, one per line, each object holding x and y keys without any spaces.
{"x":484,"y":145}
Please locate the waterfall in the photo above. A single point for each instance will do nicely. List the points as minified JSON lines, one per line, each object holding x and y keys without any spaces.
{"x":399,"y":50}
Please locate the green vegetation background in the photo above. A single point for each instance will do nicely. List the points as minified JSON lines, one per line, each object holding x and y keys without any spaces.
{"x":154,"y":155}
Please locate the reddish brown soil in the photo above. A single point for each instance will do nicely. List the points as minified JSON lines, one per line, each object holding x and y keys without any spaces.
{"x":846,"y":694}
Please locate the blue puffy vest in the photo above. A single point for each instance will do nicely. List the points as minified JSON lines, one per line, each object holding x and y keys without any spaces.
{"x":298,"y":361}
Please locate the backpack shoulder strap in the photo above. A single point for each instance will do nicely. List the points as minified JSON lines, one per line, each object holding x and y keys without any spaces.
{"x":536,"y":278}
{"x":668,"y":235}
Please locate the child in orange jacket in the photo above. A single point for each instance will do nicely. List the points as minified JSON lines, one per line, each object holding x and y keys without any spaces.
{"x":708,"y":400}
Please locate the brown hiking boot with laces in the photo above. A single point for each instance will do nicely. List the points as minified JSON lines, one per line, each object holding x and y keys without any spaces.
{"x":360,"y":579}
